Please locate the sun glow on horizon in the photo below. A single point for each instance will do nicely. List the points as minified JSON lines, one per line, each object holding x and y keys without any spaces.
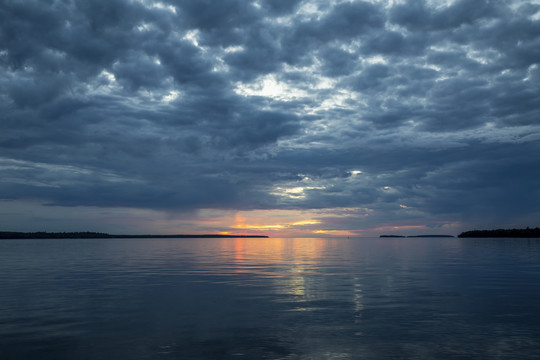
{"x":335,"y":232}
{"x":295,"y":223}
{"x":262,"y":227}
{"x":281,"y":223}
{"x":259,"y":227}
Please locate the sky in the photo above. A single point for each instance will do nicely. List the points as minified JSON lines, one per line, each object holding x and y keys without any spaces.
{"x":283,"y":118}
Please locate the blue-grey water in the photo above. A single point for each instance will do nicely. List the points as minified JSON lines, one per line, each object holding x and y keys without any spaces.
{"x":370,"y":298}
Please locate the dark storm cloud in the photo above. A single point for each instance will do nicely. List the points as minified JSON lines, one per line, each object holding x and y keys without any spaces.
{"x":344,"y":21}
{"x":414,"y":110}
{"x":416,"y":15}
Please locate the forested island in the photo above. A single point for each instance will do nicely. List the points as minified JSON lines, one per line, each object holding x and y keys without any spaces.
{"x":497,"y":233}
{"x":502,"y":233}
{"x":98,"y":235}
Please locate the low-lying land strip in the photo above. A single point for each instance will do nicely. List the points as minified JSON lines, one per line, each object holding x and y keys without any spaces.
{"x":97,"y":235}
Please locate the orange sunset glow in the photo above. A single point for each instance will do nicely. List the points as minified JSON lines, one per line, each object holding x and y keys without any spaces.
{"x":277,"y":222}
{"x":304,"y":223}
{"x":334,"y":222}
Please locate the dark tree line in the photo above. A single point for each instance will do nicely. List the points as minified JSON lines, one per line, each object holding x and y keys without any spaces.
{"x":502,"y":233}
{"x":52,"y":235}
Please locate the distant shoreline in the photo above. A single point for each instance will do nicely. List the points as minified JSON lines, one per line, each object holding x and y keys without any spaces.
{"x":96,"y":235}
{"x":502,"y":233}
{"x":497,"y":233}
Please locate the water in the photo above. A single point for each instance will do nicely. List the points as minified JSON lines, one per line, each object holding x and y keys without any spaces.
{"x":414,"y":298}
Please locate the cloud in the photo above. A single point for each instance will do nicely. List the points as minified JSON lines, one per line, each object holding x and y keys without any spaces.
{"x":183,"y":106}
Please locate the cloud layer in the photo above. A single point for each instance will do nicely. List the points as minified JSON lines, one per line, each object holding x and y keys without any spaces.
{"x":403,"y":112}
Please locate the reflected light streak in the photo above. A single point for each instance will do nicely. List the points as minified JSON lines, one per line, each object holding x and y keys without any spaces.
{"x":301,"y":257}
{"x":239,"y":254}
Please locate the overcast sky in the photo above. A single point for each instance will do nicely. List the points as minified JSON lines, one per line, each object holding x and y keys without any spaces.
{"x":281,"y":117}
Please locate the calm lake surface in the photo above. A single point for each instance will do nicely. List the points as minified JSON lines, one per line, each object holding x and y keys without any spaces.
{"x":365,"y":298}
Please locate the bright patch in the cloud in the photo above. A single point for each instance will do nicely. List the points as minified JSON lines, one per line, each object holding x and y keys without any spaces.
{"x":173,"y":95}
{"x":104,"y":84}
{"x":233,"y":49}
{"x":192,"y":36}
{"x":440,"y":4}
{"x":324,"y":83}
{"x":377,"y":59}
{"x":151,"y":4}
{"x":433,"y":67}
{"x":297,"y":192}
{"x":163,"y":6}
{"x":109,"y":76}
{"x":531,"y":68}
{"x":389,"y":190}
{"x":269,"y":86}
{"x":144,"y":27}
{"x":309,"y":10}
{"x":338,"y":99}
{"x":483,"y":57}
